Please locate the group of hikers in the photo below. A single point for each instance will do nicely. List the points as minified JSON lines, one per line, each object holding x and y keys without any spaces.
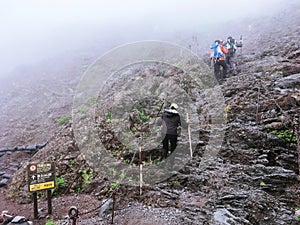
{"x":223,"y":56}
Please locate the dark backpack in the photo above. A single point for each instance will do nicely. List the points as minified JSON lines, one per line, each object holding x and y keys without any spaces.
{"x":231,"y":47}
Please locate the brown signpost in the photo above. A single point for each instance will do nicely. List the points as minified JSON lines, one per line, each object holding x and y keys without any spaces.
{"x":41,"y":176}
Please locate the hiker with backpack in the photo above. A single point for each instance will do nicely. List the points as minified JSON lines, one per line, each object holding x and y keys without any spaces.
{"x":217,"y":57}
{"x":232,"y":46}
{"x":171,"y":122}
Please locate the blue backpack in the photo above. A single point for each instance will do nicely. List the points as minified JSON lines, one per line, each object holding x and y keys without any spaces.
{"x":217,"y":51}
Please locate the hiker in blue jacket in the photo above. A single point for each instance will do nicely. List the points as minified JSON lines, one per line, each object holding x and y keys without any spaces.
{"x":217,"y":56}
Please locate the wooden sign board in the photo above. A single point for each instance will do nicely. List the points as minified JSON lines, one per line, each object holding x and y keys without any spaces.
{"x":41,"y":176}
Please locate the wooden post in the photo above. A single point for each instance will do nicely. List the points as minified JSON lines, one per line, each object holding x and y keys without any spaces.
{"x":297,"y":135}
{"x":113,"y":208}
{"x":49,"y":195}
{"x":189,"y":132}
{"x":35,"y":205}
{"x":141,"y":169}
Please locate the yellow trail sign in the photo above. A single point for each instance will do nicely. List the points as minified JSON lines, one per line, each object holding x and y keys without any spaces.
{"x":41,"y":186}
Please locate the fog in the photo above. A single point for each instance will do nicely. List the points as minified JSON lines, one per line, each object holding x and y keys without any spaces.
{"x":34,"y":30}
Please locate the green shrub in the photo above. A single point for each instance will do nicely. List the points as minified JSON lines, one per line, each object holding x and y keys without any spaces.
{"x":87,"y":177}
{"x":49,"y":222}
{"x":144,"y":117}
{"x":92,"y":101}
{"x":59,"y":181}
{"x":108,"y":117}
{"x":61,"y":121}
{"x":285,"y":135}
{"x":114,"y":185}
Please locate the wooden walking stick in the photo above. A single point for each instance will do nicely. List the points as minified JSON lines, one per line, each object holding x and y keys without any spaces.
{"x":141,"y":169}
{"x":189,"y":132}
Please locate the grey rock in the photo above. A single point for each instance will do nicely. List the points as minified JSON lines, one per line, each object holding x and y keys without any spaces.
{"x":3,"y":182}
{"x":31,"y":147}
{"x":106,"y":207}
{"x":7,"y":175}
{"x":291,"y":81}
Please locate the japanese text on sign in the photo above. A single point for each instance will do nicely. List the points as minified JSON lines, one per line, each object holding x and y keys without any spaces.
{"x":41,"y":176}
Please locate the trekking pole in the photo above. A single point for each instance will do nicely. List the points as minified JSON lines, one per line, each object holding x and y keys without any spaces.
{"x":162,"y":105}
{"x":241,"y":42}
{"x":189,"y":132}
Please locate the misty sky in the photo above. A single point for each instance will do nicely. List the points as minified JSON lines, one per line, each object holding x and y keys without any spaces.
{"x":32,"y":30}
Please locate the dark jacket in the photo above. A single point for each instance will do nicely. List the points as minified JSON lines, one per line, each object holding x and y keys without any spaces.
{"x":171,"y":121}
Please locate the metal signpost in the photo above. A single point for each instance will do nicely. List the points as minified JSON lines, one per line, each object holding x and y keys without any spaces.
{"x":41,"y":176}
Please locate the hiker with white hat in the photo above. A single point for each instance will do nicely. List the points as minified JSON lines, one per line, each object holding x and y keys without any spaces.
{"x":171,"y":122}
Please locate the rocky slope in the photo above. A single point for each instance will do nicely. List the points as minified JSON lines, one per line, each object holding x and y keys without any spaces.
{"x":252,"y":179}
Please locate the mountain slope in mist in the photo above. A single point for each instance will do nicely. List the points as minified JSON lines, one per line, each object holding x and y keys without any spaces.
{"x":33,"y":98}
{"x":252,"y":180}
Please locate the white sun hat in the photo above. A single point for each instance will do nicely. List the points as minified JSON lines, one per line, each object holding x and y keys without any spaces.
{"x":174,"y":105}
